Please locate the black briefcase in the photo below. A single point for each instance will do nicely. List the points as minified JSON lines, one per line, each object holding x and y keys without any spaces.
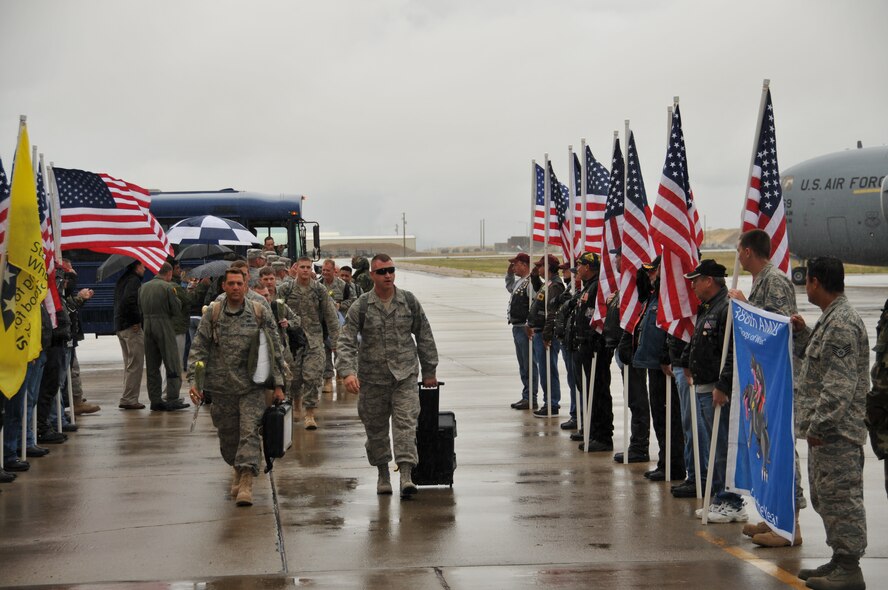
{"x":277,"y":432}
{"x":435,"y":441}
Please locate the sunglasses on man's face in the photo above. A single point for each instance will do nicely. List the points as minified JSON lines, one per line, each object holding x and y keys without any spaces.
{"x":389,"y":270}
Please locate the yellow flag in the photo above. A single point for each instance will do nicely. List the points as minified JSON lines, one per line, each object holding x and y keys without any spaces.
{"x":24,"y":278}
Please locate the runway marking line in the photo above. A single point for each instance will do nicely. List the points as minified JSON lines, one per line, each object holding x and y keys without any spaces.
{"x":762,"y":564}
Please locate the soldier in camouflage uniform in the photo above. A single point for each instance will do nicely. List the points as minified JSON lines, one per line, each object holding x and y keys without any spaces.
{"x":383,"y":369}
{"x":361,"y":275}
{"x":313,"y":305}
{"x":832,"y":388}
{"x":771,"y":291}
{"x":877,"y":400}
{"x":343,"y":295}
{"x":159,"y":306}
{"x":226,"y":342}
{"x":280,"y":272}
{"x":256,"y":260}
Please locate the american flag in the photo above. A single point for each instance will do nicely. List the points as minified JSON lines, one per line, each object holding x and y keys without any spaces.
{"x":676,"y":226}
{"x":637,"y":247}
{"x":4,"y":206}
{"x":539,"y":216}
{"x":764,"y":201}
{"x":105,"y":214}
{"x":53,"y":302}
{"x":608,"y":280}
{"x":597,"y":183}
{"x":559,"y":197}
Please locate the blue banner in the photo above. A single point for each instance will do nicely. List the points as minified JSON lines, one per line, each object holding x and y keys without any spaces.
{"x":761,"y":443}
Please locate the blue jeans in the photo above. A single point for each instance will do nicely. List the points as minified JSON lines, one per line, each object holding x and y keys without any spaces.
{"x":539,"y":357}
{"x":567,"y":355}
{"x":12,"y":420}
{"x":64,"y":366}
{"x":704,"y":430}
{"x":522,"y":351}
{"x":684,"y":398}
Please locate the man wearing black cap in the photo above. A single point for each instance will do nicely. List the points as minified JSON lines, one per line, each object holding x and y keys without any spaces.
{"x":541,"y":327}
{"x":713,"y":383}
{"x":518,"y":284}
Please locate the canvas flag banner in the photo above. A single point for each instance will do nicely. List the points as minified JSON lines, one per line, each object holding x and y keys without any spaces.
{"x":761,"y":443}
{"x":24,"y":278}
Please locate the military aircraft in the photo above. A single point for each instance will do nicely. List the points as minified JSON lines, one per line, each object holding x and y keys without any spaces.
{"x":837,"y":205}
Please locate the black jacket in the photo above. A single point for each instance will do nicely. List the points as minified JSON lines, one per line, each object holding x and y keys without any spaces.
{"x":703,"y":356}
{"x":126,"y":301}
{"x":542,"y":318}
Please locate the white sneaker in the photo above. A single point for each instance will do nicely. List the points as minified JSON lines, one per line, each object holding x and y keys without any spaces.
{"x":699,"y":511}
{"x":727,"y":513}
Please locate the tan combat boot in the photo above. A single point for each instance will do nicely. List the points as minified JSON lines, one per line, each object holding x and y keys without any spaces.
{"x":245,"y":491}
{"x":759,"y":528}
{"x":772,"y":539}
{"x":328,"y":386}
{"x":85,"y":408}
{"x":310,"y":423}
{"x":297,"y":408}
{"x":384,"y":483}
{"x":408,"y":488}
{"x":235,"y":482}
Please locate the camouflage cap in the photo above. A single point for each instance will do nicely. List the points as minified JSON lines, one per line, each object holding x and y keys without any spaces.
{"x":278,"y":265}
{"x":254,"y":253}
{"x":360,"y":263}
{"x":286,"y":261}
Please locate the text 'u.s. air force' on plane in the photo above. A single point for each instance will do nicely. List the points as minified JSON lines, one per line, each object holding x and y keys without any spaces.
{"x":854,"y":183}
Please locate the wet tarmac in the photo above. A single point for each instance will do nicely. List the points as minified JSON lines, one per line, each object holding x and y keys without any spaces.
{"x":133,"y":500}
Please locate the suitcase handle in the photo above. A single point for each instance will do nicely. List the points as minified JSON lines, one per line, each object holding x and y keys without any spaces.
{"x":438,"y":386}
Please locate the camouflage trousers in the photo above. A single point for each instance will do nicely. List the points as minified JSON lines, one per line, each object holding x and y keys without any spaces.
{"x":835,"y":470}
{"x":308,"y":373}
{"x":237,"y":418}
{"x":398,"y":400}
{"x":328,"y":362}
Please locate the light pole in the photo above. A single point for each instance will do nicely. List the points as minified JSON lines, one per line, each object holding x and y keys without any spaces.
{"x":404,"y":233}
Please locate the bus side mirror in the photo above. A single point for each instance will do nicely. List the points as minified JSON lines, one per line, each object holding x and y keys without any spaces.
{"x":316,"y":235}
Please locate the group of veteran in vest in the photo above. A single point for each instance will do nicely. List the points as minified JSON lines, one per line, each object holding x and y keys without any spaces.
{"x":834,"y":404}
{"x":264,"y":340}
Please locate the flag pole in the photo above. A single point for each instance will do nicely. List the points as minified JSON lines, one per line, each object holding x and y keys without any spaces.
{"x":571,"y":183}
{"x":619,"y":280}
{"x":729,"y":322}
{"x":668,"y":377}
{"x":530,"y":380}
{"x":572,"y":220}
{"x":547,"y":192}
{"x":584,"y":413}
{"x":23,"y":453}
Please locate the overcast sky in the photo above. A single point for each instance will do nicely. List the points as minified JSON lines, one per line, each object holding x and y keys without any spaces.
{"x":434,"y":108}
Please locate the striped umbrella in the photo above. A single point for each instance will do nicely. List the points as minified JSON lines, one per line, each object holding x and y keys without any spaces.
{"x":209,"y":229}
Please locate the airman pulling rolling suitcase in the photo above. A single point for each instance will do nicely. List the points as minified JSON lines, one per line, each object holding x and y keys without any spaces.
{"x":435,"y":437}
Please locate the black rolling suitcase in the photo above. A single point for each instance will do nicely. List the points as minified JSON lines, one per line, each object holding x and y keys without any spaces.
{"x":277,"y":432}
{"x":435,"y":437}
